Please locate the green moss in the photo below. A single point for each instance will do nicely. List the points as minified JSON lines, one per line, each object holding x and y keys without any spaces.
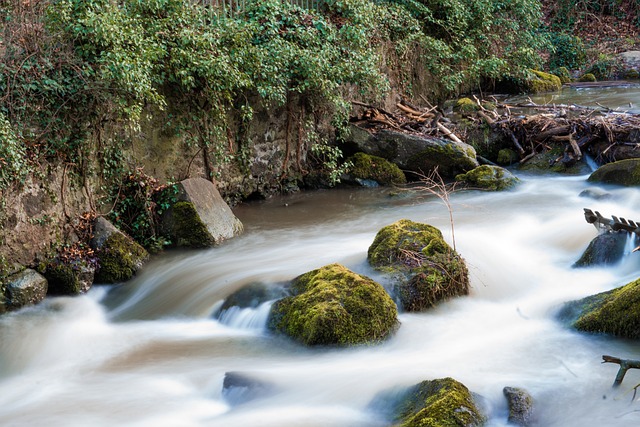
{"x":623,"y":172}
{"x":631,"y":74}
{"x":616,"y":312}
{"x":428,"y":269}
{"x":376,"y":168}
{"x":588,"y":77}
{"x":543,"y":82}
{"x":63,"y":280}
{"x":466,"y":106}
{"x":119,"y":259}
{"x":492,"y":178}
{"x":563,"y":74}
{"x":507,"y":156}
{"x":187,"y":229}
{"x":334,"y":306}
{"x":438,"y":403}
{"x":448,"y":157}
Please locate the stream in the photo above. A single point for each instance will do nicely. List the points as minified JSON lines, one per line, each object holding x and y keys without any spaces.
{"x":152,"y":353}
{"x":149,"y":353}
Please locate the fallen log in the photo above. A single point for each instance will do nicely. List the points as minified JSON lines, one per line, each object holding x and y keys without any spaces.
{"x":625,"y":365}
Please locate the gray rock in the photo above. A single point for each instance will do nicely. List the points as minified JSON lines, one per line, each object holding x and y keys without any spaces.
{"x":239,"y":388}
{"x":416,"y":153}
{"x":604,"y":249}
{"x":201,"y":218}
{"x":595,"y":193}
{"x":520,"y":406}
{"x":28,"y":287}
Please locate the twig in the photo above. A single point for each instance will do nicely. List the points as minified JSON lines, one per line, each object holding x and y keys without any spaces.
{"x":625,"y":365}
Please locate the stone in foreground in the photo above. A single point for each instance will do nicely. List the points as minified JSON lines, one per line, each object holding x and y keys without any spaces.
{"x":335,"y":306}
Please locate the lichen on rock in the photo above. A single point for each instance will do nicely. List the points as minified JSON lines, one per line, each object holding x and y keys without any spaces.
{"x":376,"y":168}
{"x":441,"y":402}
{"x":623,"y":172}
{"x":543,"y":82}
{"x":427,"y":269}
{"x":25,"y":287}
{"x":520,"y":406}
{"x":488,"y":177}
{"x":335,"y":306}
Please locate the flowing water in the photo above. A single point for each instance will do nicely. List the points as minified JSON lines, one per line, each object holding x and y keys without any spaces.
{"x":149,"y":353}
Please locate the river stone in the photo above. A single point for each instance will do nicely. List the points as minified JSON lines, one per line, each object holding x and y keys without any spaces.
{"x":201,"y":217}
{"x":595,"y":193}
{"x":27,"y":287}
{"x":119,"y":256}
{"x":66,"y":279}
{"x":487,"y":177}
{"x":367,"y":167}
{"x":416,"y":153}
{"x":520,"y":406}
{"x":604,"y":249}
{"x":239,"y":388}
{"x":335,"y":306}
{"x":615,"y":312}
{"x":440,"y":402}
{"x":426,"y":269}
{"x":623,"y":172}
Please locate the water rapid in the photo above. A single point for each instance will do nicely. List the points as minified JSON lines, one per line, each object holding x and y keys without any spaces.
{"x":152,"y":353}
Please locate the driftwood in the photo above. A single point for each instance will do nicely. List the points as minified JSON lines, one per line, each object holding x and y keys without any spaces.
{"x":625,"y":365}
{"x":613,"y":224}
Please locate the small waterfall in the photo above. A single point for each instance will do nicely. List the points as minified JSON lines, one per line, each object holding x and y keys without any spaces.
{"x":631,"y":243}
{"x":590,"y":162}
{"x":247,"y":317}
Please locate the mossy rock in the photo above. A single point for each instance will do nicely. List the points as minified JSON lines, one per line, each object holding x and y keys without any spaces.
{"x":487,"y":177}
{"x":466,"y":106}
{"x":554,"y":160}
{"x":543,"y":82}
{"x":119,"y":259}
{"x":68,"y":279}
{"x":631,"y":74}
{"x":334,"y":306}
{"x":587,"y":78}
{"x":442,"y":402}
{"x":26,"y":287}
{"x":623,"y":172}
{"x":187,"y":227}
{"x":563,"y":74}
{"x":615,"y":312}
{"x":507,"y":157}
{"x":375,"y":168}
{"x":427,"y":269}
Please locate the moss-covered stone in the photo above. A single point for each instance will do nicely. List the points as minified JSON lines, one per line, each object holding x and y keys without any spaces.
{"x":119,"y":259}
{"x":507,"y":157}
{"x":67,"y":279}
{"x":623,"y":172}
{"x":335,"y":306}
{"x":442,"y":402}
{"x":604,"y":249}
{"x":187,"y":227}
{"x":487,"y":177}
{"x":376,"y":168}
{"x":615,"y":312}
{"x":466,"y":106}
{"x":26,"y":287}
{"x":563,"y":74}
{"x":543,"y":82}
{"x":427,"y":269}
{"x":588,"y":77}
{"x":631,"y":74}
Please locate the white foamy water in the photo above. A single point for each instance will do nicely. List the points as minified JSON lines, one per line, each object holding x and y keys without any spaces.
{"x":150,"y":353}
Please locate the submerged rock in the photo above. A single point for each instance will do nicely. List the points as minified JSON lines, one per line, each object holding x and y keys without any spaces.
{"x":335,"y":306}
{"x":427,"y":268}
{"x":604,"y":249}
{"x":520,"y":406}
{"x":623,"y":172}
{"x":26,"y":287}
{"x":442,"y":402}
{"x":239,"y":388}
{"x":492,"y":178}
{"x":615,"y":312}
{"x":201,"y":217}
{"x":368,"y":167}
{"x":119,"y":256}
{"x":595,"y":193}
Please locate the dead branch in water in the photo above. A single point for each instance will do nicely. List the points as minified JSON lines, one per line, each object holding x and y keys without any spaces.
{"x":625,"y":365}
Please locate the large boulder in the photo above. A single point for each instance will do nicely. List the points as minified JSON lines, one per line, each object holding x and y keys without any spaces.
{"x":520,"y":406}
{"x":623,"y":172}
{"x":368,"y":167}
{"x":443,"y":402}
{"x":416,"y":153}
{"x":201,"y":217}
{"x":604,"y":249}
{"x":487,"y":177}
{"x":426,"y":268}
{"x":615,"y":312}
{"x":26,"y":287}
{"x":335,"y":306}
{"x":119,"y":256}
